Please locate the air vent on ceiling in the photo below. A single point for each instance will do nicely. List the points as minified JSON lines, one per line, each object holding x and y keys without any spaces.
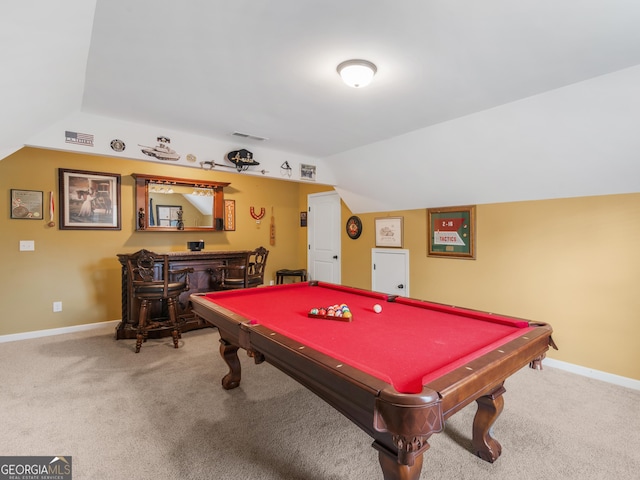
{"x":247,"y":135}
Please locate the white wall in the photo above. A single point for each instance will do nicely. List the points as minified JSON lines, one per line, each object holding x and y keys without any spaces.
{"x":106,"y":129}
{"x":580,"y":140}
{"x":45,"y":44}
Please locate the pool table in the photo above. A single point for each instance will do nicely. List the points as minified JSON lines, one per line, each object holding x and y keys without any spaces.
{"x":397,"y":374}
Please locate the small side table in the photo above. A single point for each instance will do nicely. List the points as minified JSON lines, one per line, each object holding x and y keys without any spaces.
{"x":300,"y":273}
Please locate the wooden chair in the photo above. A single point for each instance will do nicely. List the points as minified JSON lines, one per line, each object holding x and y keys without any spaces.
{"x":257,"y":263}
{"x":153,"y":281}
{"x":248,"y":274}
{"x":236,"y":275}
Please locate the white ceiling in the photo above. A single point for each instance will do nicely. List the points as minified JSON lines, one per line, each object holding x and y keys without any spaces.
{"x":267,"y":68}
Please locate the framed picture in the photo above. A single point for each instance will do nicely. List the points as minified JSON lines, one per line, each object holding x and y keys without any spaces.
{"x":89,"y":200}
{"x":389,"y":232}
{"x":230,"y":215}
{"x":27,"y":204}
{"x":307,"y":172}
{"x":303,"y":219}
{"x":452,"y":232}
{"x":167,"y":215}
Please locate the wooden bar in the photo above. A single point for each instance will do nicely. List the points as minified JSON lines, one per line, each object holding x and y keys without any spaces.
{"x":205,"y":278}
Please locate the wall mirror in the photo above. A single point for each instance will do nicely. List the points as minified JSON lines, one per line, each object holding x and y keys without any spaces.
{"x":165,"y":204}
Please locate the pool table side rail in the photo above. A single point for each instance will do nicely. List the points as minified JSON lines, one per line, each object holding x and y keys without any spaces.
{"x":383,"y":297}
{"x":485,"y":374}
{"x":439,"y":307}
{"x":463,"y":312}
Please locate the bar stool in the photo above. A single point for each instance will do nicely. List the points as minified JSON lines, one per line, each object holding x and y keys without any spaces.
{"x":151,"y":280}
{"x":301,"y":273}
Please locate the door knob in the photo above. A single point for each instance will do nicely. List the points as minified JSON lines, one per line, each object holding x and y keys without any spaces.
{"x":401,"y":286}
{"x":335,"y":257}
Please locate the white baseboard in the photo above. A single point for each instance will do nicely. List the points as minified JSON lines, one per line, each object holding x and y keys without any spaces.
{"x":56,"y":331}
{"x":591,"y":373}
{"x":569,"y":367}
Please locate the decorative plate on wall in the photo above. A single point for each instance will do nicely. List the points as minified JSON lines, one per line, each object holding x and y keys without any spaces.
{"x":354,"y":227}
{"x":117,"y":145}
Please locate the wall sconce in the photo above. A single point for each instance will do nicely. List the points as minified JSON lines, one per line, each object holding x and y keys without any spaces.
{"x":357,"y":73}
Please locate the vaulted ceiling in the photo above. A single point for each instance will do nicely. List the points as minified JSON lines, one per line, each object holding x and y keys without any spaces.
{"x":268,"y":68}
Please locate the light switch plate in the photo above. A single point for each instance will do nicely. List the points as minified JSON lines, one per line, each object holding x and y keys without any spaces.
{"x":27,"y":245}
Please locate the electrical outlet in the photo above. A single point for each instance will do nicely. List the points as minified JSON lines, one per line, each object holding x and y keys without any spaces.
{"x":57,"y":306}
{"x":27,"y":245}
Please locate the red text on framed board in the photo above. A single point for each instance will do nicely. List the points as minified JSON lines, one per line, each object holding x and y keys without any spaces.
{"x":451,"y":232}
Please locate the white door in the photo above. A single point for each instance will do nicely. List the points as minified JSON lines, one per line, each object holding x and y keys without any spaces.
{"x":390,"y":271}
{"x":323,"y":237}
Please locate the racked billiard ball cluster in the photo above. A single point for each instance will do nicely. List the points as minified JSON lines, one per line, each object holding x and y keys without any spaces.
{"x":333,"y":312}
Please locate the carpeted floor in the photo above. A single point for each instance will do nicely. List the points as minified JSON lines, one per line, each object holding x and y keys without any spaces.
{"x":161,"y":414}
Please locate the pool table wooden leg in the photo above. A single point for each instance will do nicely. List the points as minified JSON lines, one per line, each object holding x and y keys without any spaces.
{"x":229,"y":354}
{"x":392,"y":470}
{"x":489,"y":409}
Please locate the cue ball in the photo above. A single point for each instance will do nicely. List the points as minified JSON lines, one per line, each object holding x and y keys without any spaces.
{"x":377,"y":308}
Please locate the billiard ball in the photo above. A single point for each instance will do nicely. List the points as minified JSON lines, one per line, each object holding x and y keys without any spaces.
{"x":377,"y":308}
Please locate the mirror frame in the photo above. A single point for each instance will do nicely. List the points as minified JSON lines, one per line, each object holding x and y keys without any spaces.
{"x":142,"y":201}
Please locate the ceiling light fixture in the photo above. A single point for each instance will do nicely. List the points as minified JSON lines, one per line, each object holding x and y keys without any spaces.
{"x":357,"y":73}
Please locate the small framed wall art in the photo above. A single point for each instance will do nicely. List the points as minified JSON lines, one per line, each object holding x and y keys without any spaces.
{"x":27,"y":204}
{"x":354,"y":227}
{"x":389,"y":232}
{"x":308,"y":172}
{"x":451,"y":232}
{"x":229,"y":215}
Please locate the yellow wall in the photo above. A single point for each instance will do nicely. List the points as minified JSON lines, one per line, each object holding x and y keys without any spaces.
{"x":80,"y":268}
{"x":571,"y":262}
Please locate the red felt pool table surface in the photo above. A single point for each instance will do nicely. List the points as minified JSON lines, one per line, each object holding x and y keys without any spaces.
{"x":407,"y":345}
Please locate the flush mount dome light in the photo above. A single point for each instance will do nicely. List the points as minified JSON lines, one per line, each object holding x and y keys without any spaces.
{"x":357,"y":73}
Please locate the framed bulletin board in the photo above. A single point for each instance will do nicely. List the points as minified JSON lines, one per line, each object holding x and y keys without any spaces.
{"x":451,"y":232}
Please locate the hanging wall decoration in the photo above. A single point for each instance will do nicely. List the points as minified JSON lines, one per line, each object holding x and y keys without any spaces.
{"x":161,"y":151}
{"x":272,"y":229}
{"x":308,"y":172}
{"x":76,"y":138}
{"x":354,"y":227}
{"x":117,"y":145}
{"x":389,"y":232}
{"x":89,"y":200}
{"x":257,"y":216}
{"x":27,"y":204}
{"x":451,"y":232}
{"x":285,"y":169}
{"x":229,"y":215}
{"x":242,"y":159}
{"x":52,"y":208}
